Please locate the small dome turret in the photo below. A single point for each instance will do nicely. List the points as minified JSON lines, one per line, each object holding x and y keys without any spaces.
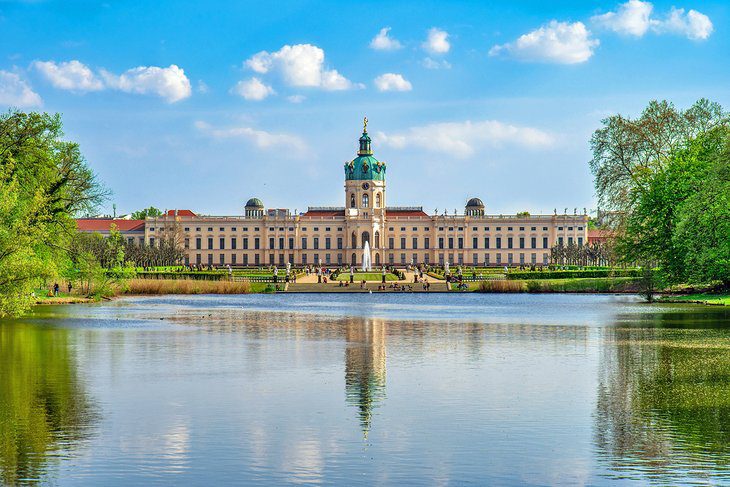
{"x":254,"y":208}
{"x":365,"y":166}
{"x":474,"y":207}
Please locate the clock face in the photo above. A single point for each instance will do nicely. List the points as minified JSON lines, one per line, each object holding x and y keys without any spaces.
{"x":365,"y":185}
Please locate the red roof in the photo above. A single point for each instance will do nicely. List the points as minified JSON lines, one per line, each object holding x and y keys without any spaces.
{"x":318,"y":213}
{"x":180,"y":213}
{"x":399,"y":213}
{"x":599,"y":235}
{"x":103,"y":225}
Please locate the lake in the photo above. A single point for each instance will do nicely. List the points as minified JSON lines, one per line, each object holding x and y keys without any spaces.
{"x":359,"y":389}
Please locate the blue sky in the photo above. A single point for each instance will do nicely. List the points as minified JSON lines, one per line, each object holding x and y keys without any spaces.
{"x":202,"y":105}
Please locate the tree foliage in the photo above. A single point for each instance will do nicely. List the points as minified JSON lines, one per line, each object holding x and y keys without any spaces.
{"x":667,"y":175}
{"x":44,"y":182}
{"x":142,"y":214}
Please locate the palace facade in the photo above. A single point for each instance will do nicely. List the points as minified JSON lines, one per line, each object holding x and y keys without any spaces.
{"x":336,"y":235}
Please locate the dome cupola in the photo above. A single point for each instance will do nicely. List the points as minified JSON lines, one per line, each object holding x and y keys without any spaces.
{"x":474,"y":207}
{"x":365,"y":166}
{"x":254,"y":208}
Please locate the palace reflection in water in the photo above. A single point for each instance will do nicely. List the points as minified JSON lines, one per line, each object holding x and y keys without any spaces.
{"x":257,"y":396}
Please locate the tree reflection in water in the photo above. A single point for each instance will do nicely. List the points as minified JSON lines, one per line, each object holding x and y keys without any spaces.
{"x":663,"y":402}
{"x":44,"y":410}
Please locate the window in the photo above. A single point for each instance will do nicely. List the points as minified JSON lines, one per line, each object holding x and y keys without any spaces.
{"x":451,"y":243}
{"x":152,"y":241}
{"x":198,"y":243}
{"x":187,"y":229}
{"x":570,"y":228}
{"x":233,"y":229}
{"x":210,"y":243}
{"x":544,"y":242}
{"x":222,"y":259}
{"x":522,"y":229}
{"x":210,"y":259}
{"x":316,"y":243}
{"x":580,"y":228}
{"x":403,"y":242}
{"x":234,"y":244}
{"x":509,"y":229}
{"x":486,"y":242}
{"x":245,"y":243}
{"x":580,"y":241}
{"x":533,"y":243}
{"x":522,"y":242}
{"x":473,"y":229}
{"x":327,"y":229}
{"x":544,"y":229}
{"x":426,"y":243}
{"x":256,"y":246}
{"x":339,"y":243}
{"x":304,"y":259}
{"x":560,"y":240}
{"x":222,"y":229}
{"x":486,"y":259}
{"x":499,"y":258}
{"x":570,"y":240}
{"x":281,"y":243}
{"x":499,"y":229}
{"x":509,"y":242}
{"x":461,"y":242}
{"x":533,"y":228}
{"x":499,"y":242}
{"x":402,"y":229}
{"x":377,"y":200}
{"x":245,"y":229}
{"x":391,"y":243}
{"x":352,"y":200}
{"x":222,"y":242}
{"x":327,"y":243}
{"x":316,"y":229}
{"x":304,"y":243}
{"x":233,"y":259}
{"x":152,"y":229}
{"x":475,"y":242}
{"x":291,"y":243}
{"x":365,"y":200}
{"x":245,"y":259}
{"x":197,"y":229}
{"x":271,"y":242}
{"x":210,"y":229}
{"x":415,"y":242}
{"x":441,"y":242}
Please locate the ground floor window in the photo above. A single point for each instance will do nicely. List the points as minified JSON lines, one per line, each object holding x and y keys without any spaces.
{"x":245,"y":259}
{"x":533,"y":258}
{"x":304,"y":259}
{"x":415,"y":259}
{"x":486,"y":259}
{"x":281,"y":259}
{"x":222,"y":259}
{"x":475,"y":260}
{"x":271,"y":259}
{"x":291,"y":258}
{"x":426,"y":259}
{"x":509,"y":258}
{"x":233,"y":259}
{"x":257,"y":259}
{"x":402,"y":258}
{"x":210,"y":259}
{"x":317,"y":261}
{"x":339,"y":259}
{"x":451,"y":258}
{"x":461,"y":259}
{"x":327,"y":258}
{"x":391,"y":259}
{"x":499,"y":258}
{"x":187,"y":260}
{"x":198,"y":259}
{"x":545,"y":259}
{"x":522,"y":258}
{"x":441,"y":259}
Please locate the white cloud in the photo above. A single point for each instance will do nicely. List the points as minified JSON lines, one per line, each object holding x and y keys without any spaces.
{"x":437,"y":41}
{"x":202,"y":87}
{"x":634,"y":18}
{"x":463,"y":139}
{"x":430,"y":63}
{"x":260,"y":138}
{"x":693,"y":24}
{"x":71,"y":75}
{"x":631,"y":18}
{"x":16,"y":92}
{"x":300,"y":65}
{"x":169,"y":83}
{"x":296,"y":98}
{"x":556,"y":42}
{"x":253,"y":89}
{"x":392,"y":82}
{"x":382,"y":42}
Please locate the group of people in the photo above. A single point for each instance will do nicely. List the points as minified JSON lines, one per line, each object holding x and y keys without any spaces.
{"x":56,"y":288}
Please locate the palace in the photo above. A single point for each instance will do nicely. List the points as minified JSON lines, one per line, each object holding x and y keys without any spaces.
{"x":336,"y":236}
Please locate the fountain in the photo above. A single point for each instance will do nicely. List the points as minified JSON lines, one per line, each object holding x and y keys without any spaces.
{"x":366,"y":257}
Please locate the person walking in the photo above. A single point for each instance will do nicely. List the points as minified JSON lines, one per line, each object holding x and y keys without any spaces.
{"x":69,"y":287}
{"x":55,"y":289}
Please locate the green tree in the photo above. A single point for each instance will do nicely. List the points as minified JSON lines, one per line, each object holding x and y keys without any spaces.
{"x":44,"y":182}
{"x":702,"y":235}
{"x":142,"y":214}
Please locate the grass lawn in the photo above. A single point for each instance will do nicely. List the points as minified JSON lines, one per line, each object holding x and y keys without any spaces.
{"x":366,"y":276}
{"x":721,"y":299}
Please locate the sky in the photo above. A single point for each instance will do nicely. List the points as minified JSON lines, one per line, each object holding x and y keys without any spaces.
{"x":202,"y":105}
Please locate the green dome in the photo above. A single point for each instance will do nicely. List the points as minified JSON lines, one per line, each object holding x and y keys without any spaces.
{"x":365,"y":168}
{"x":254,"y":203}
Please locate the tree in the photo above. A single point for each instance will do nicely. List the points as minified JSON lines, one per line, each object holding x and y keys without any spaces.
{"x":44,"y":182}
{"x":702,"y":234}
{"x":142,"y":214}
{"x":628,"y":152}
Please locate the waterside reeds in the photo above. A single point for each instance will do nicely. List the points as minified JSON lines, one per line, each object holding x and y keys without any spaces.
{"x":185,"y":286}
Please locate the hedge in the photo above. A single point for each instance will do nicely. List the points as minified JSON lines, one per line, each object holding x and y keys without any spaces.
{"x":573,"y":274}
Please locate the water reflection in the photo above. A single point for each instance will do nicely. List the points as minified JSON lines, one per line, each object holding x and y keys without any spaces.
{"x":45,"y":412}
{"x":663,"y":399}
{"x":365,"y":366}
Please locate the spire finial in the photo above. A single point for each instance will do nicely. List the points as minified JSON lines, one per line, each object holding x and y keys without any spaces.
{"x":365,"y":125}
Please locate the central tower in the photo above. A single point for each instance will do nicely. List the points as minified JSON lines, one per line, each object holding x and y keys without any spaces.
{"x":365,"y":199}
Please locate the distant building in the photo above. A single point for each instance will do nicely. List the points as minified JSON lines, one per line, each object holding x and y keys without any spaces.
{"x":396,"y":235}
{"x":131,"y":230}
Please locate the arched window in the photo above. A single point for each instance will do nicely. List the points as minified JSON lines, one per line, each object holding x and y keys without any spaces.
{"x":377,"y":240}
{"x":378,"y":201}
{"x":352,"y":200}
{"x":354,"y":240}
{"x":377,"y":258}
{"x":365,"y":238}
{"x":354,"y":260}
{"x":365,"y":200}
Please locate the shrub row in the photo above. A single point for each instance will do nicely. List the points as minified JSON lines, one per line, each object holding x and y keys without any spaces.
{"x":521,"y":275}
